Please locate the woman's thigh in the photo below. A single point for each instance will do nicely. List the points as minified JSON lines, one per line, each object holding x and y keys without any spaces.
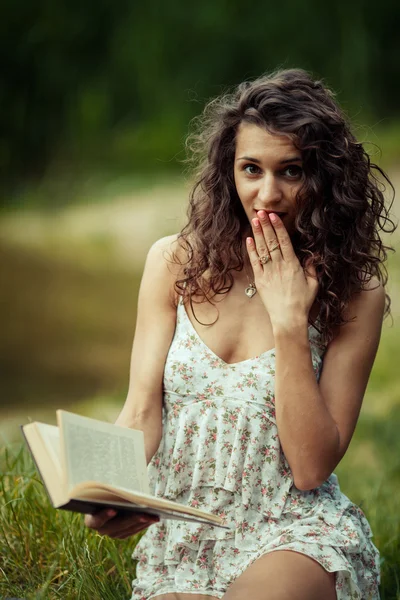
{"x":283,"y":575}
{"x":179,"y":596}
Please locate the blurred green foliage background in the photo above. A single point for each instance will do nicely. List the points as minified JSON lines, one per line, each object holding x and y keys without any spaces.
{"x":113,"y":85}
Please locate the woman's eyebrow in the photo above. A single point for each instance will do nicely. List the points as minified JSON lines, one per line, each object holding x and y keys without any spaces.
{"x":249,"y":159}
{"x":292,"y":159}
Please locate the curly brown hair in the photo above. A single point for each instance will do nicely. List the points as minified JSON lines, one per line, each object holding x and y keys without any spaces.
{"x":340,"y":206}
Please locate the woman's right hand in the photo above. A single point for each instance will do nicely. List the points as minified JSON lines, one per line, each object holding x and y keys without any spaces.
{"x":108,"y":522}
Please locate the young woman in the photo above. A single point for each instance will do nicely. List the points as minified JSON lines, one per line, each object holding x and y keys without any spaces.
{"x":257,"y":329}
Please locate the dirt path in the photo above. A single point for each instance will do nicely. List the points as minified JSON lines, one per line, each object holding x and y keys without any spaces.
{"x":121,"y":230}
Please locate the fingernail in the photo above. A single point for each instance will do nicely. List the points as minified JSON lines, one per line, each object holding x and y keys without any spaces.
{"x":256,"y":223}
{"x":273,"y":217}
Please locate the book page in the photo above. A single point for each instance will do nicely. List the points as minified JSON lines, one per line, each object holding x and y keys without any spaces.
{"x":98,"y":451}
{"x":51,"y":439}
{"x":44,"y":444}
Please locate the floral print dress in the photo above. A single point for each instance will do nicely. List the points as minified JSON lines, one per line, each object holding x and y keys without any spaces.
{"x":220,"y":452}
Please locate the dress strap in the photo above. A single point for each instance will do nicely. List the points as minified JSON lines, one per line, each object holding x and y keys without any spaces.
{"x":181,"y":297}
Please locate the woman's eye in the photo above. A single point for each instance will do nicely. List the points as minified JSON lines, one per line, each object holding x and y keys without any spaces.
{"x":294,"y":172}
{"x":251,"y":169}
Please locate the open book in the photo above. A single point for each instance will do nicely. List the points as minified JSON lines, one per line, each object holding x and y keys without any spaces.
{"x":87,"y":465}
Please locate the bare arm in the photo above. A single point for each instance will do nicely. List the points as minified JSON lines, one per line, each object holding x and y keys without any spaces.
{"x":155,"y":324}
{"x":316,"y":421}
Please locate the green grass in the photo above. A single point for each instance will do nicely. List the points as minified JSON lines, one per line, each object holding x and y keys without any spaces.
{"x":369,"y":475}
{"x":49,"y":554}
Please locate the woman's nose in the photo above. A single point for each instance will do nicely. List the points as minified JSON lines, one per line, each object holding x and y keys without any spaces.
{"x":270,"y":189}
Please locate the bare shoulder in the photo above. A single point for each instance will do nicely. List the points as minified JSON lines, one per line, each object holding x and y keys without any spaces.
{"x":364,"y":314}
{"x":164,"y":265}
{"x":365,"y":317}
{"x":170,"y":248}
{"x":369,"y":302}
{"x":155,"y":326}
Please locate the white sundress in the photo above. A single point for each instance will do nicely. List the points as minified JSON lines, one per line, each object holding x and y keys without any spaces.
{"x":220,"y":452}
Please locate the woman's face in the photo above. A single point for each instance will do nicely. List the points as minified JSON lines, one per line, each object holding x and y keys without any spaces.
{"x":268,"y":173}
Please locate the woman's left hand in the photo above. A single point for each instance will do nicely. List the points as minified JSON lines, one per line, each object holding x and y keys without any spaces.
{"x":287,"y":291}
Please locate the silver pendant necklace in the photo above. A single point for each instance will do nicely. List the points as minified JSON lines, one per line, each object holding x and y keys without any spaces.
{"x":251,"y":289}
